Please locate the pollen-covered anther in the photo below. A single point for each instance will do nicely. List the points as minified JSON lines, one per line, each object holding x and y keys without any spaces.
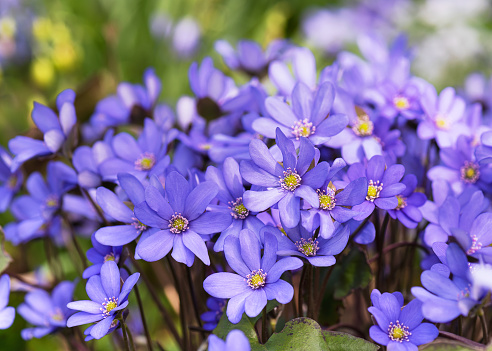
{"x":307,"y":247}
{"x":109,"y":305}
{"x":401,"y":103}
{"x":470,"y":172}
{"x":238,"y":211}
{"x":291,"y":180}
{"x":145,"y":162}
{"x":303,"y":128}
{"x":363,"y":126}
{"x":373,"y":190}
{"x":139,"y":226}
{"x":327,"y":199}
{"x":398,"y":332}
{"x":256,"y":279}
{"x":402,"y":202}
{"x":111,"y":257}
{"x":178,"y":223}
{"x":475,"y":246}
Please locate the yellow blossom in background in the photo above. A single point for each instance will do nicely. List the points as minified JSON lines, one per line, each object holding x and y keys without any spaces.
{"x":64,"y":56}
{"x":42,"y":72}
{"x":42,"y":29}
{"x":8,"y":27}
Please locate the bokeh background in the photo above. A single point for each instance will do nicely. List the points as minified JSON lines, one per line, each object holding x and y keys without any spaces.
{"x":92,"y":45}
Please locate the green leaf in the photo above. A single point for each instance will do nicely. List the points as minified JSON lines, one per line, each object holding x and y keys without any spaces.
{"x":298,"y":334}
{"x":245,"y":325}
{"x":338,"y":341}
{"x":5,"y":258}
{"x":270,"y":306}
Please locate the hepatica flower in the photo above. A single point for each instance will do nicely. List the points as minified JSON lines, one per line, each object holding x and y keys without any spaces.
{"x":444,"y":297}
{"x":308,"y":117}
{"x":99,"y":254}
{"x":7,"y":314}
{"x":316,"y":250}
{"x":141,"y":158}
{"x":46,"y":312}
{"x":399,"y":328}
{"x":235,"y":340}
{"x":55,"y":129}
{"x":443,"y":116}
{"x":215,"y":310}
{"x":230,"y":195}
{"x":112,"y":205}
{"x":180,"y":216}
{"x":106,"y":299}
{"x":285,"y":183}
{"x":383,"y":185}
{"x":11,"y":182}
{"x":409,"y":201}
{"x":257,"y":278}
{"x":334,"y":203}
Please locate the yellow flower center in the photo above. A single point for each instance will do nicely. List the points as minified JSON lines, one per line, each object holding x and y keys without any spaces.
{"x":111,"y":306}
{"x":442,"y":122}
{"x":145,"y":162}
{"x":363,"y":126}
{"x":372,"y":191}
{"x":401,"y":103}
{"x":256,"y":279}
{"x":291,"y":180}
{"x":398,"y":333}
{"x":178,"y":223}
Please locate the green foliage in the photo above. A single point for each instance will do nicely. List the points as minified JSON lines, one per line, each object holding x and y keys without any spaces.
{"x":298,"y":334}
{"x":5,"y":258}
{"x":351,"y":272}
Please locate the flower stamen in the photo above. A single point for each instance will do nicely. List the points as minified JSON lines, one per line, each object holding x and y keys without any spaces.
{"x":363,"y":126}
{"x":307,"y":247}
{"x":145,"y":162}
{"x":238,"y":210}
{"x":290,"y":181}
{"x":303,"y":128}
{"x":178,"y":223}
{"x":398,"y":332}
{"x":470,"y":172}
{"x":109,"y":305}
{"x":256,"y":279}
{"x":373,"y":190}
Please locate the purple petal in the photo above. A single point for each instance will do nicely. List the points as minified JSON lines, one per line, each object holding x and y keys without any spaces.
{"x":156,"y":246}
{"x":195,"y":244}
{"x":423,"y":334}
{"x":85,"y":306}
{"x":117,"y":235}
{"x":281,"y":291}
{"x":259,"y":201}
{"x":110,"y":279}
{"x":128,"y":286}
{"x":316,"y":176}
{"x":211,"y":222}
{"x":411,"y":315}
{"x":322,"y":102}
{"x":378,"y":335}
{"x":113,"y":206}
{"x":270,"y":252}
{"x":285,"y":264}
{"x":289,"y":208}
{"x":157,"y":202}
{"x":199,"y":198}
{"x":225,"y":285}
{"x":235,"y":307}
{"x":44,"y":118}
{"x":232,"y":253}
{"x":280,"y":111}
{"x":83,"y":318}
{"x":102,"y":328}
{"x":7,"y":316}
{"x":255,"y":302}
{"x":95,"y":290}
{"x":177,"y":190}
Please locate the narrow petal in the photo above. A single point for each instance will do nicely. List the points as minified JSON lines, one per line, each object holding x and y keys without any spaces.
{"x":211,"y":222}
{"x":128,"y":286}
{"x":113,"y":206}
{"x":281,"y":291}
{"x":102,"y":328}
{"x":177,"y":190}
{"x":259,"y":201}
{"x":285,"y":264}
{"x":85,"y":306}
{"x":83,"y":318}
{"x":117,"y":235}
{"x":250,"y":249}
{"x":110,"y":279}
{"x":232,"y":251}
{"x":289,"y":208}
{"x":199,"y":198}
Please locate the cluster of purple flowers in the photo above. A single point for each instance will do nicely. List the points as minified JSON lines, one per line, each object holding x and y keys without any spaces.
{"x":271,"y":182}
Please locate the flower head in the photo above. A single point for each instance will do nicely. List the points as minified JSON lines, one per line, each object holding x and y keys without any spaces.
{"x":106,"y":299}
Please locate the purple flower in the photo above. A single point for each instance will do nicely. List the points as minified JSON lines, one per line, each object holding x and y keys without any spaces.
{"x":212,"y":317}
{"x":477,"y":240}
{"x":249,"y":56}
{"x":334,"y":204}
{"x":86,"y":161}
{"x":179,"y":213}
{"x":132,"y":102}
{"x":308,"y":117}
{"x":141,"y":158}
{"x":409,"y":201}
{"x":402,"y":95}
{"x":11,"y":181}
{"x":460,"y":168}
{"x":443,"y":116}
{"x":113,"y":206}
{"x":285,"y":184}
{"x":99,"y":254}
{"x":7,"y":314}
{"x":317,"y":250}
{"x":399,"y":328}
{"x":46,"y":312}
{"x":230,"y":195}
{"x":37,"y":213}
{"x":235,"y":340}
{"x":453,"y":213}
{"x":106,"y":298}
{"x":257,"y":279}
{"x":55,"y":129}
{"x":383,"y":185}
{"x":445,"y":298}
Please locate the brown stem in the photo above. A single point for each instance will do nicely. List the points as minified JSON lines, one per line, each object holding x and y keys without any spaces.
{"x":395,"y":246}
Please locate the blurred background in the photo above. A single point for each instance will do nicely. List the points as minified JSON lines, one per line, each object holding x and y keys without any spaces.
{"x":92,"y":45}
